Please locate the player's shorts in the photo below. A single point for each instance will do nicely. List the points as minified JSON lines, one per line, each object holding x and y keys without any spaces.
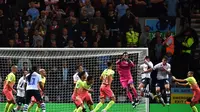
{"x":126,"y":82}
{"x":33,"y":93}
{"x":196,"y":96}
{"x":161,"y":83}
{"x":105,"y":91}
{"x":145,"y":81}
{"x":8,"y":94}
{"x":20,"y":100}
{"x":88,"y":99}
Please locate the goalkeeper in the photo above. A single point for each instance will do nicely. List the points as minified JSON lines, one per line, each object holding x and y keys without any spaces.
{"x":124,"y":66}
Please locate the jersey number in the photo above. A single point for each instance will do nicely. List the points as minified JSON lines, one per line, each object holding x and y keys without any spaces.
{"x":32,"y":82}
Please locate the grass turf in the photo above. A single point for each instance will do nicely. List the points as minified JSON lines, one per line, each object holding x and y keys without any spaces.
{"x":69,"y":107}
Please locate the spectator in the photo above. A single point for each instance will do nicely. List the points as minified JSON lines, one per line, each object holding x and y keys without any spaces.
{"x":130,"y":4}
{"x":169,"y":44}
{"x":38,"y":44}
{"x":95,"y":44}
{"x":18,"y":41}
{"x":156,"y":48}
{"x":33,"y":11}
{"x":171,"y":7}
{"x":105,"y":40}
{"x":137,"y":26}
{"x":11,"y":43}
{"x":99,"y":22}
{"x":121,"y":9}
{"x":157,"y":4}
{"x":140,"y":8}
{"x":63,"y":39}
{"x":126,"y":21}
{"x":70,"y":44}
{"x":27,"y":45}
{"x":112,"y":23}
{"x":16,"y":28}
{"x":88,"y":8}
{"x":132,"y":37}
{"x":74,"y":29}
{"x":45,"y":20}
{"x":104,"y":8}
{"x":40,"y":26}
{"x":119,"y":44}
{"x":53,"y":44}
{"x":50,"y":4}
{"x":84,"y":21}
{"x":37,"y":39}
{"x":80,"y":40}
{"x":20,"y":17}
{"x":26,"y":36}
{"x":48,"y":41}
{"x":69,"y":19}
{"x":144,"y":38}
{"x":3,"y":26}
{"x":54,"y":27}
{"x":85,"y":44}
{"x":29,"y":22}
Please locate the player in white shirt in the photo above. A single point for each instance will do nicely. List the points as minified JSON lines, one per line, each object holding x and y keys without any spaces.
{"x":147,"y":68}
{"x":32,"y":81}
{"x":21,"y":92}
{"x":164,"y":70}
{"x":79,"y":68}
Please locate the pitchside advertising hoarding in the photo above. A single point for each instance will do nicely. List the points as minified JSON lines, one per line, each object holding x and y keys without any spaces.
{"x":154,"y":25}
{"x":180,"y":95}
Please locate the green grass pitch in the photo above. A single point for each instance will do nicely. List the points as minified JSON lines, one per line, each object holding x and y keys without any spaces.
{"x":118,"y":107}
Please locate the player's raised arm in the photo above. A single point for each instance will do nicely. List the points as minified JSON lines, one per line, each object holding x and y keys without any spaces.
{"x":179,"y":80}
{"x":182,"y":84}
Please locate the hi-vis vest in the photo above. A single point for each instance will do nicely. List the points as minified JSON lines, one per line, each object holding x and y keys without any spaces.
{"x":169,"y":48}
{"x":132,"y":37}
{"x":188,"y":42}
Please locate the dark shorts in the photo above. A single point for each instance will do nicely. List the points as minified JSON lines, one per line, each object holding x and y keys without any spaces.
{"x":35,"y":93}
{"x":145,"y":82}
{"x":161,"y":83}
{"x":20,"y":100}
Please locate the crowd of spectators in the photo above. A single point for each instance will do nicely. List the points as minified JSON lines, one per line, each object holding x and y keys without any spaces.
{"x":80,"y":23}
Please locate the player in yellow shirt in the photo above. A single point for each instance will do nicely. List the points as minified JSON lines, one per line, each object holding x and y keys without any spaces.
{"x":81,"y":92}
{"x":33,"y":100}
{"x":105,"y":89}
{"x":191,"y":81}
{"x":8,"y":89}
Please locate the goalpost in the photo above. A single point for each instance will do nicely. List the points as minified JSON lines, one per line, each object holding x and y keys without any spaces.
{"x":60,"y":65}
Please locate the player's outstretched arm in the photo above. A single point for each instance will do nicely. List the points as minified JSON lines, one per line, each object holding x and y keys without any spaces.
{"x":182,"y":84}
{"x":178,"y":80}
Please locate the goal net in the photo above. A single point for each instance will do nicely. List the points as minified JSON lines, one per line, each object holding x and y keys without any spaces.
{"x":60,"y":65}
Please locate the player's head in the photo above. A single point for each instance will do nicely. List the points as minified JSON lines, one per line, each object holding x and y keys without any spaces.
{"x":190,"y":74}
{"x":42,"y":72}
{"x":79,"y":67}
{"x":82,"y":75}
{"x":90,"y":80}
{"x":147,"y":58}
{"x":109,"y":64}
{"x":25,"y":73}
{"x":125,"y":55}
{"x":14,"y":69}
{"x":164,"y":60}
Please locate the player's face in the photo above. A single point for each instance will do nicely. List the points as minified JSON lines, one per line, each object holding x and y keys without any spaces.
{"x":126,"y":56}
{"x":14,"y":69}
{"x":83,"y":77}
{"x":25,"y":73}
{"x":189,"y":75}
{"x":164,"y":61}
